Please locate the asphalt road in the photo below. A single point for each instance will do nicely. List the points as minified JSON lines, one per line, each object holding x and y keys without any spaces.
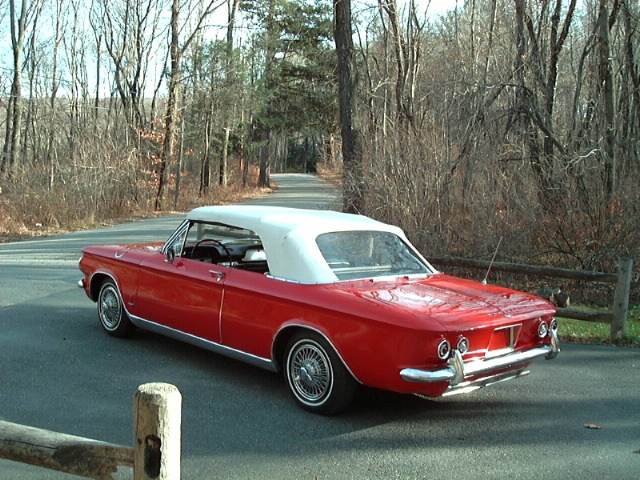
{"x":59,"y":371}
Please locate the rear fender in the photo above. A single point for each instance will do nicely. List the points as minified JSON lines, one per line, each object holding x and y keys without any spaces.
{"x":286,"y":332}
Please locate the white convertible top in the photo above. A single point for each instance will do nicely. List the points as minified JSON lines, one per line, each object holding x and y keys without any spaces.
{"x":289,"y":235}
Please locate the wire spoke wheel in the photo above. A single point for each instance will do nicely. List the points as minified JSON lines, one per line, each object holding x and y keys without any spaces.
{"x":111,"y":312}
{"x":310,"y":371}
{"x":110,"y":309}
{"x":316,"y":376}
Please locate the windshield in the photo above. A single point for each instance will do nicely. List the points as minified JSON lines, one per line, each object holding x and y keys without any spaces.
{"x":199,"y":231}
{"x":365,"y":254}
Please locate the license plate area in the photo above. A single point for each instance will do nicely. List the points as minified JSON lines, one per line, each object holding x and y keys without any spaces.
{"x":503,"y":340}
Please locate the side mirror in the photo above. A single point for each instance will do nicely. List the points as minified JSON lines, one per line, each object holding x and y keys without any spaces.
{"x":171,"y":254}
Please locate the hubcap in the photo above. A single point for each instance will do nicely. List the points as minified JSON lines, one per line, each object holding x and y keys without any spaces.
{"x":310,"y":373}
{"x":109,"y":308}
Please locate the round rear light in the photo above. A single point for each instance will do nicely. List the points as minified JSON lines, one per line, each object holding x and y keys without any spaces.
{"x":542,"y":329}
{"x":444,"y":349}
{"x":553,"y":325}
{"x":463,"y":345}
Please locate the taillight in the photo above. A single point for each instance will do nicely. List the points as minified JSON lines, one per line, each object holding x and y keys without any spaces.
{"x":444,"y":349}
{"x":543,"y":329}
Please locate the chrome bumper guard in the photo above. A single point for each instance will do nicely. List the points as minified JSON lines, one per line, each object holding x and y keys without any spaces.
{"x":456,"y":370}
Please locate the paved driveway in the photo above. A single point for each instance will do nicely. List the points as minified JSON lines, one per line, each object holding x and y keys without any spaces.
{"x":59,"y":371}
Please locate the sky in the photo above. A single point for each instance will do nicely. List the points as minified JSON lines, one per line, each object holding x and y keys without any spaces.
{"x":439,"y":7}
{"x":435,"y":8}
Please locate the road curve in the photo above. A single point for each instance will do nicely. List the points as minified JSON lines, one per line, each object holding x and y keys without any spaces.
{"x":50,"y":264}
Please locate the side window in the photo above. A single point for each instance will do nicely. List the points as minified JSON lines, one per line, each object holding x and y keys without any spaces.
{"x":176,"y":241}
{"x":224,"y":245}
{"x":196,"y":232}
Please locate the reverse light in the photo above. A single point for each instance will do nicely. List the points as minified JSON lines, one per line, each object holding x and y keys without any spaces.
{"x":463,"y":345}
{"x":444,"y":349}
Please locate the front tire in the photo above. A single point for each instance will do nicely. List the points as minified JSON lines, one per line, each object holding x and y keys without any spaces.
{"x":315,"y":375}
{"x":111,"y":312}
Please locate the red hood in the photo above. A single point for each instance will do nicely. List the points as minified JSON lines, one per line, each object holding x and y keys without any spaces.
{"x":455,"y":302}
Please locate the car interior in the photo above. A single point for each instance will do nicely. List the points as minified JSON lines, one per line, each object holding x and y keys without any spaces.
{"x":225,"y":245}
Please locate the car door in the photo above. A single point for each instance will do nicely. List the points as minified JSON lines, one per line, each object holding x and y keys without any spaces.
{"x":183,"y":294}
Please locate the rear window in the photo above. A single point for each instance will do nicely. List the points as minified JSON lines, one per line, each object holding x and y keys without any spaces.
{"x":366,"y":254}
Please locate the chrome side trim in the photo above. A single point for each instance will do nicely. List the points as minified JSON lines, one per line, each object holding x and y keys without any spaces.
{"x":456,"y":370}
{"x":261,"y":362}
{"x":200,"y":342}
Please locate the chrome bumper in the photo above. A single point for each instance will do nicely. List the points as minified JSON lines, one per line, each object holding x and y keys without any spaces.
{"x":456,"y":370}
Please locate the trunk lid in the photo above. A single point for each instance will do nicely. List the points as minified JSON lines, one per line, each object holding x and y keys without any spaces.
{"x":456,"y":303}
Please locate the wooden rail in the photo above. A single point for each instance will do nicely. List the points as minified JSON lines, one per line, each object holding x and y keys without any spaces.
{"x":617,"y":316}
{"x":155,"y":454}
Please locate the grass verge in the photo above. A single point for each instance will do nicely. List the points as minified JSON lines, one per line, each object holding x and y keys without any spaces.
{"x":579,"y":331}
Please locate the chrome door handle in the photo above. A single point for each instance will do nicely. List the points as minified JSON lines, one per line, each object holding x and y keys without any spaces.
{"x":217,"y":274}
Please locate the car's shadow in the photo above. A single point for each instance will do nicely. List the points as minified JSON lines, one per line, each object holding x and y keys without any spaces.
{"x":239,"y":407}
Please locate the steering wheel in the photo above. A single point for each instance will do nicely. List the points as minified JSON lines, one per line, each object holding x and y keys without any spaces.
{"x":212,"y":240}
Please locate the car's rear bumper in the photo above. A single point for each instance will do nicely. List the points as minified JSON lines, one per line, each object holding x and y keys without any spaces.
{"x":483,"y":371}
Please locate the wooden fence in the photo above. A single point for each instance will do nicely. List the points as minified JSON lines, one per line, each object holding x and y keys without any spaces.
{"x":155,"y":454}
{"x":617,"y":316}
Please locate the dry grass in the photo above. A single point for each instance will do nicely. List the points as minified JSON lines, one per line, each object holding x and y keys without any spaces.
{"x":28,"y":211}
{"x":330,"y":173}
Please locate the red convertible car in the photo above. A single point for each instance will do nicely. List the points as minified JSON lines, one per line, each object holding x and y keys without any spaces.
{"x":331,"y":300}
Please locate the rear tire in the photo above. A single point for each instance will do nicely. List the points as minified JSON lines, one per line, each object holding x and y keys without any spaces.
{"x":111,"y":312}
{"x":316,"y":376}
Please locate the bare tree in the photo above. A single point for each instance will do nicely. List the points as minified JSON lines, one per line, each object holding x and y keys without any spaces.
{"x":537,"y":115}
{"x":18,"y":22}
{"x":603,"y":25}
{"x":55,"y":85}
{"x":232,"y":8}
{"x":130,"y":30}
{"x":177,"y":51}
{"x":264,"y":130}
{"x":406,"y":47}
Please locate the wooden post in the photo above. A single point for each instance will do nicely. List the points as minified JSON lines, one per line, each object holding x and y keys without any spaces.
{"x":621,"y":299}
{"x":157,"y":421}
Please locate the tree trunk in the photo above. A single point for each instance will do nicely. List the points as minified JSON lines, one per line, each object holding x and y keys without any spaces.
{"x":407,"y":54}
{"x":58,"y":37}
{"x":169,"y":140}
{"x":230,"y":80}
{"x":223,"y":179}
{"x":606,"y":80}
{"x":264,"y":177}
{"x":556,"y":42}
{"x":14,"y":109}
{"x":176,"y":192}
{"x":265,"y":130}
{"x":353,"y":201}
